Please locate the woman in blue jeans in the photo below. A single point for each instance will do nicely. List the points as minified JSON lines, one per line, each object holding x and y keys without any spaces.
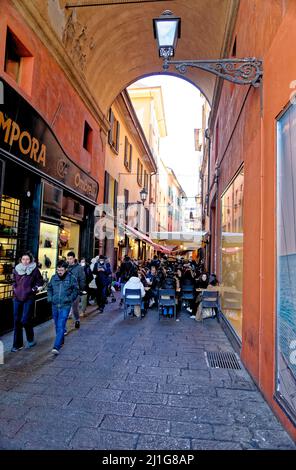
{"x":27,"y":280}
{"x":62,"y":291}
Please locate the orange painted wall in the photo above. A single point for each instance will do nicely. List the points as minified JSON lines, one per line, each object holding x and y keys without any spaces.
{"x":54,"y":97}
{"x":247,"y":118}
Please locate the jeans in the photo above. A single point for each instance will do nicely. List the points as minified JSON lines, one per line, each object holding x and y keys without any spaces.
{"x":22,"y":314}
{"x":60,"y":316}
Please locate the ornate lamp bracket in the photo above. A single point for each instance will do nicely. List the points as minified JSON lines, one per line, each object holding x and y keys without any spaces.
{"x":240,"y":71}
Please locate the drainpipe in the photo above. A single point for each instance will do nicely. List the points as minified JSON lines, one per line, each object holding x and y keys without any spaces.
{"x":208,"y":137}
{"x":216,"y":216}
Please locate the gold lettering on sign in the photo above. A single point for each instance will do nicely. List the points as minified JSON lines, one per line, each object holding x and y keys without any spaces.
{"x":26,"y":134}
{"x":12,"y":133}
{"x":84,"y":186}
{"x":5,"y":125}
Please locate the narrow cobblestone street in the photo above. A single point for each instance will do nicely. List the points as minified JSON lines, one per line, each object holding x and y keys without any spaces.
{"x":132,"y":385}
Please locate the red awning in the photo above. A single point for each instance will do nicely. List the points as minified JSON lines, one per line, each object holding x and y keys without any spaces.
{"x":141,"y":236}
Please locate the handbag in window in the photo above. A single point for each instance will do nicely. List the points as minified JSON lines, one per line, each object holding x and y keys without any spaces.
{"x":47,"y":261}
{"x":47,"y":243}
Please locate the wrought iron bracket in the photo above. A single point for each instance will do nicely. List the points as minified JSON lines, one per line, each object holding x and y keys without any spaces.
{"x":240,"y":71}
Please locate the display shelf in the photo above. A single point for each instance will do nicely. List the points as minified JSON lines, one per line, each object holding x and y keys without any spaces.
{"x":9,"y":220}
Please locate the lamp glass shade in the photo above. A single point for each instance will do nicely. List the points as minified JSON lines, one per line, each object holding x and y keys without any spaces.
{"x":143,"y":194}
{"x":167,"y":31}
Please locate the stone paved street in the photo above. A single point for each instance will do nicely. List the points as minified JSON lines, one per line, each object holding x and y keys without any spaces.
{"x":133,"y":384}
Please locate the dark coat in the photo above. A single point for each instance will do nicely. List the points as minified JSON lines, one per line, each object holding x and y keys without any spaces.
{"x":102,"y":272}
{"x":62,"y":291}
{"x":78,"y":271}
{"x":25,"y":286}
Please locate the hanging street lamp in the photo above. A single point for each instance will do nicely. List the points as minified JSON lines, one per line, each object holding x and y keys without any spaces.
{"x":167,"y":30}
{"x":143,"y":195}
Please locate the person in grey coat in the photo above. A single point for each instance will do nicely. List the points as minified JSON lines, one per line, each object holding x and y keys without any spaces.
{"x":62,"y":290}
{"x":78,"y":272}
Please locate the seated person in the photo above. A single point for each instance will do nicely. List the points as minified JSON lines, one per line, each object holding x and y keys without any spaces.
{"x":213,"y":283}
{"x":134,"y":283}
{"x":153,"y":281}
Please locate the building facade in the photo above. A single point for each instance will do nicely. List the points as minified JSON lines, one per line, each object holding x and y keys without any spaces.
{"x":249,"y":198}
{"x":51,"y":161}
{"x":129,"y":164}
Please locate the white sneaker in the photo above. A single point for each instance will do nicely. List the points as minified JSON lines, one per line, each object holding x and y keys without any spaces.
{"x":152,"y":302}
{"x":192,"y":316}
{"x":189,"y":309}
{"x":55,"y":351}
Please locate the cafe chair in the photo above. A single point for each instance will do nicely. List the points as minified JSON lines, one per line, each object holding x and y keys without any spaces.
{"x":132,"y":297}
{"x":166,"y":302}
{"x":210,"y":305}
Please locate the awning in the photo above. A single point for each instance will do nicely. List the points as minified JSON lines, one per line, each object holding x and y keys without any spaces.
{"x":141,"y":236}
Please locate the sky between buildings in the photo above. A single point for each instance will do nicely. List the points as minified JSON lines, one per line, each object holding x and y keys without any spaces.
{"x":182,"y":104}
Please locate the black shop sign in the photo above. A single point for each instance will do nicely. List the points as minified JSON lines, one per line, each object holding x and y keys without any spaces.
{"x":25,"y":135}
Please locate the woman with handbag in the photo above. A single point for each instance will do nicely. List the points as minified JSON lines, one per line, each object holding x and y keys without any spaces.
{"x":27,"y":280}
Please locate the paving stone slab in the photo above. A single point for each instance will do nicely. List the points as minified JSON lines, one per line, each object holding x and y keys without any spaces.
{"x":143,"y":397}
{"x":147,"y":378}
{"x":192,"y":430}
{"x":215,"y":445}
{"x":167,"y":412}
{"x":174,"y":389}
{"x":232,"y":433}
{"x":104,"y":394}
{"x":129,"y":385}
{"x":56,"y":435}
{"x":89,"y":438}
{"x":92,"y":405}
{"x":159,"y":371}
{"x":135,"y":424}
{"x":148,"y":442}
{"x":71,"y":416}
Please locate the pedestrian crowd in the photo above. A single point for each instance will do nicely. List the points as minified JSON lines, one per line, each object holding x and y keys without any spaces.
{"x":75,"y":285}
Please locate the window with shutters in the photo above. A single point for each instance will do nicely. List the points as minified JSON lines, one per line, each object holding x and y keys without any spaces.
{"x":140,"y":173}
{"x":128,"y":152}
{"x":114,"y":133}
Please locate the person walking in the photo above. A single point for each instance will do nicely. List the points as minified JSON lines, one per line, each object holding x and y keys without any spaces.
{"x":88,"y":279}
{"x":62,"y":291}
{"x":77,"y":271}
{"x":27,"y":280}
{"x":102,"y":273}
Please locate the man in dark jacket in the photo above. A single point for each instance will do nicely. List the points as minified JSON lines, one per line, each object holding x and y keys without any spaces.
{"x":126,"y":268}
{"x":77,"y":271}
{"x":26,"y":282}
{"x":102,"y":272}
{"x":62,"y":290}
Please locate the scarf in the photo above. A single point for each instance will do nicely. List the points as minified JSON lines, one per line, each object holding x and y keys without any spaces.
{"x":21,"y":269}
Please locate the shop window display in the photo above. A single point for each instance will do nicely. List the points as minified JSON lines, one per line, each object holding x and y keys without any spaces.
{"x":286,"y":262}
{"x":232,"y":252}
{"x":9,"y":218}
{"x":48,"y":249}
{"x":69,"y":234}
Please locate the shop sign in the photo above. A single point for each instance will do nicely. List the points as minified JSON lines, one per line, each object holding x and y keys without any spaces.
{"x":25,"y":135}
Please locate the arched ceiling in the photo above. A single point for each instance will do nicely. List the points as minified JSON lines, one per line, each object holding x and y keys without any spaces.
{"x":112,"y":46}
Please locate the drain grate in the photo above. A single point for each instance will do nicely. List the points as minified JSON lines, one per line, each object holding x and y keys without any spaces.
{"x":222,"y":360}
